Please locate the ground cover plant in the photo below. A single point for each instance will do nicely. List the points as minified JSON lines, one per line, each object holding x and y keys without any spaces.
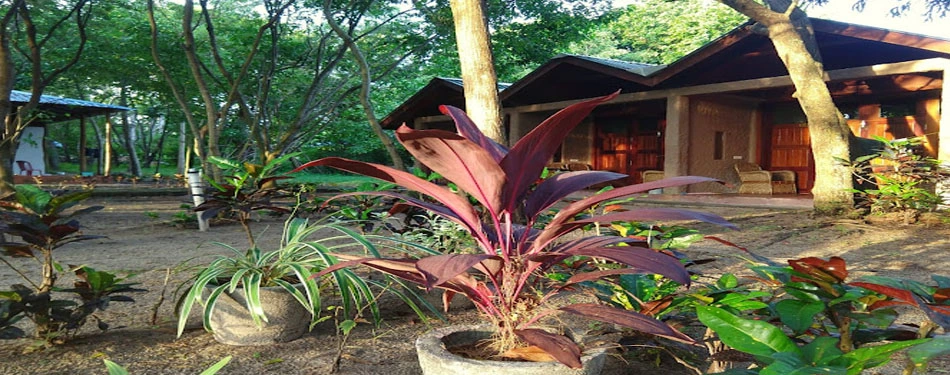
{"x":808,"y":318}
{"x":505,"y":280}
{"x":43,"y":222}
{"x":899,"y":178}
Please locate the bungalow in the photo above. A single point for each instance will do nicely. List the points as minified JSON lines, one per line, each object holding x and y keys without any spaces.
{"x":727,"y":102}
{"x":32,"y":149}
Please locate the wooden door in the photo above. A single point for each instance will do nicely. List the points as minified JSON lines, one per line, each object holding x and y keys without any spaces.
{"x":629,"y":146}
{"x":614,"y":149}
{"x":790,"y":149}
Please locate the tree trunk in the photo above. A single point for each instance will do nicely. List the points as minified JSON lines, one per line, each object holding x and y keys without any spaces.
{"x":478,"y":69}
{"x":827,"y":128}
{"x":128,"y":137}
{"x":7,"y":79}
{"x":182,"y":148}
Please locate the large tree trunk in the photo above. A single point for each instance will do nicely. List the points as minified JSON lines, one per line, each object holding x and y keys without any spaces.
{"x":128,"y":137}
{"x":827,"y":128}
{"x":478,"y":69}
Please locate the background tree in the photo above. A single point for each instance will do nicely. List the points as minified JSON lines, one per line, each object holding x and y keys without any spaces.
{"x":26,"y":32}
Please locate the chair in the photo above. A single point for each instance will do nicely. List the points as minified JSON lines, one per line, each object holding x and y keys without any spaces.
{"x":651,"y":175}
{"x":754,"y":180}
{"x":27,"y":169}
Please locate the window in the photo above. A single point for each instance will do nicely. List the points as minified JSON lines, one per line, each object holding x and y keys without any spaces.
{"x":719,"y":145}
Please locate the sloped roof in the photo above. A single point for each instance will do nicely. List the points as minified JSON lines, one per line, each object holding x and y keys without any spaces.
{"x":62,"y":109}
{"x":737,"y":55}
{"x":426,"y":101}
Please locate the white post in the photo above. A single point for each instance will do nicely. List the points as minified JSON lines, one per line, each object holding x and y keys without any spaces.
{"x":197,"y":195}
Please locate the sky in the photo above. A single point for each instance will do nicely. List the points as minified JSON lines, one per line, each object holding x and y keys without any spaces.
{"x":877,"y":14}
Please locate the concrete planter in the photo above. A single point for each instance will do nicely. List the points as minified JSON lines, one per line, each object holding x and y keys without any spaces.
{"x":436,"y":360}
{"x":231,"y":323}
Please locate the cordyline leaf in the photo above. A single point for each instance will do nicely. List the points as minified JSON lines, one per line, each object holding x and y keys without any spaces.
{"x":442,"y":268}
{"x":559,"y":228}
{"x":529,"y":353}
{"x":458,"y":160}
{"x":655,"y":307}
{"x":17,"y":250}
{"x":468,"y":129}
{"x":599,"y":275}
{"x":454,"y":202}
{"x":646,"y":260}
{"x":527,"y":158}
{"x":404,"y":269}
{"x":563,"y":349}
{"x":570,"y":211}
{"x":557,"y":187}
{"x":630,"y":319}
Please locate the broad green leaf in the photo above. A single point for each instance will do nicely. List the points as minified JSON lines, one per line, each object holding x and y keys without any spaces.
{"x":923,"y":353}
{"x":749,"y":336}
{"x":797,"y":314}
{"x":793,"y":364}
{"x":821,"y":351}
{"x":873,"y":356}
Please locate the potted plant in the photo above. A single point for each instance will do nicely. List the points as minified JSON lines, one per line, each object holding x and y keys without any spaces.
{"x":258,"y":297}
{"x":502,"y":209}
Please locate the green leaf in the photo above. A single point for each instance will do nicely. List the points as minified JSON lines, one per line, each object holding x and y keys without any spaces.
{"x":797,"y":314}
{"x":749,"y":336}
{"x":821,"y":351}
{"x":873,"y":356}
{"x":217,"y":366}
{"x":792,"y":364}
{"x":346,"y":326}
{"x":923,"y":353}
{"x":727,"y":281}
{"x":114,"y":368}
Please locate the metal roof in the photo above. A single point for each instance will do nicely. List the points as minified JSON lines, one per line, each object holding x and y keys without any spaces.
{"x":63,"y":109}
{"x":642,"y":69}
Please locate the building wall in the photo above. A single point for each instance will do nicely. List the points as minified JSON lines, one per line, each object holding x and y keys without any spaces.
{"x":31,"y":148}
{"x":728,"y":123}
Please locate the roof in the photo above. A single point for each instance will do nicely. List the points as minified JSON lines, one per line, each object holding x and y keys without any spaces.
{"x":63,"y":109}
{"x":426,"y":101}
{"x":737,"y":55}
{"x":642,"y":69}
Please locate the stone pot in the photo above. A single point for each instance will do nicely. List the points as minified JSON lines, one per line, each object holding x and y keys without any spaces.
{"x":232,"y":324}
{"x":436,"y":360}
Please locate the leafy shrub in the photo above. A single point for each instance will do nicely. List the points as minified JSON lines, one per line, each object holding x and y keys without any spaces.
{"x":805,"y":318}
{"x":43,"y":223}
{"x":899,"y":177}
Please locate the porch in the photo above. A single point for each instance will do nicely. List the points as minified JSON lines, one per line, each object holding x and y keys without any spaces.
{"x":784,"y":202}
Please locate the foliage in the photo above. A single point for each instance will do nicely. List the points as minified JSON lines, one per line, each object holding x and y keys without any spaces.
{"x":506,"y":279}
{"x":904,"y":179}
{"x":289,"y":267}
{"x":247,"y":188}
{"x":657,"y":31}
{"x":116,"y":369}
{"x":813,"y":321}
{"x":44,"y":223}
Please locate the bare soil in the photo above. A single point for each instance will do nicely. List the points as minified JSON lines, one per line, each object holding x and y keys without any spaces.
{"x":142,"y":240}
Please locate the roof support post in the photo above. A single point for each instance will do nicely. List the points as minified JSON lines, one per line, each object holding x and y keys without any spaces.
{"x":106,"y":158}
{"x":943,"y":138}
{"x":82,"y":145}
{"x":676,"y":143}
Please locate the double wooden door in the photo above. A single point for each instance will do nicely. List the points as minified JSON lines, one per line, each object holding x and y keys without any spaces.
{"x":629,"y":146}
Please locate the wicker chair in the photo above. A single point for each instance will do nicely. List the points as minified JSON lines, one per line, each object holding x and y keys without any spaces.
{"x":754,"y":180}
{"x":651,"y":175}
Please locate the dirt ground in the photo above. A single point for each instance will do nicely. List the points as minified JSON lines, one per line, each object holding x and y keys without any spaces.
{"x":141,"y":241}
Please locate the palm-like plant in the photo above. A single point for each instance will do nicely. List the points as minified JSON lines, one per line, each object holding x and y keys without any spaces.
{"x":506,"y":279}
